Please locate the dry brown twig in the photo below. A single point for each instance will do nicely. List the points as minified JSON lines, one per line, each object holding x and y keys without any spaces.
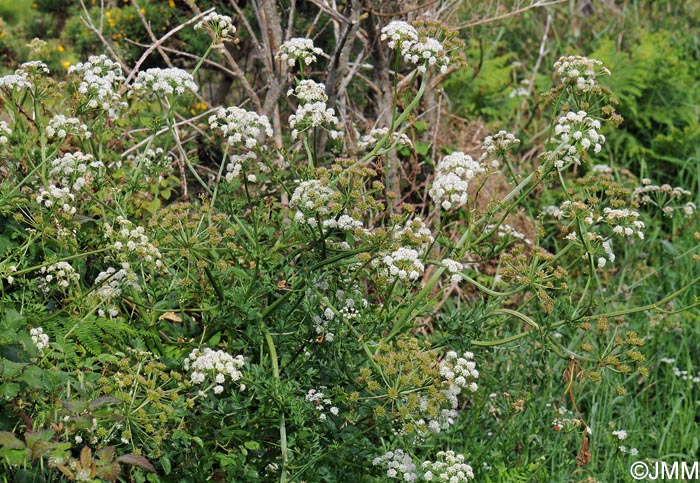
{"x":87,"y":21}
{"x":509,"y":14}
{"x":157,"y":44}
{"x":147,"y":26}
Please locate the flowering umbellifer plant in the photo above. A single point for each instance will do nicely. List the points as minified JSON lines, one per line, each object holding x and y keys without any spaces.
{"x":296,"y":310}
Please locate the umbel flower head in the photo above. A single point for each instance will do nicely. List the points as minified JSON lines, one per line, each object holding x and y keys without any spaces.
{"x":220,"y":26}
{"x":579,"y":72}
{"x":298,"y":49}
{"x":164,"y":82}
{"x":424,"y":52}
{"x":240,"y":127}
{"x":218,"y":365}
{"x":452,"y":179}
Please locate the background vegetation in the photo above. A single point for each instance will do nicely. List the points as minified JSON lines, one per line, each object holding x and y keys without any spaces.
{"x":540,"y":382}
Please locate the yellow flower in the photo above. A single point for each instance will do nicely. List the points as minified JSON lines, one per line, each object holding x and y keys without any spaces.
{"x":171,"y":3}
{"x":60,"y":49}
{"x":65,"y":63}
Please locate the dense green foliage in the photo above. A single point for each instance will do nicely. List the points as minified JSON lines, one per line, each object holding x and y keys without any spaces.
{"x":344,"y":277}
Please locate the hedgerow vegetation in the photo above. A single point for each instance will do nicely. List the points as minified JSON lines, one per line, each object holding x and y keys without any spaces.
{"x":349,"y":241}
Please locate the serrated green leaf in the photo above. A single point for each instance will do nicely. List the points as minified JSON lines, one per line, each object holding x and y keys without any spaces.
{"x":10,"y":441}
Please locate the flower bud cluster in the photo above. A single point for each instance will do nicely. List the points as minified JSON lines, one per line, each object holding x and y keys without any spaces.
{"x":309,"y":91}
{"x":61,"y":198}
{"x":454,"y":268}
{"x":240,"y":127}
{"x":109,"y":285}
{"x":403,"y":264}
{"x":414,"y":233}
{"x":314,"y":200}
{"x":504,"y":230}
{"x":664,"y":197}
{"x":133,"y":242}
{"x":312,"y":115}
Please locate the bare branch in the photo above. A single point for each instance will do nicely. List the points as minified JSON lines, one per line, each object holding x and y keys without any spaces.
{"x":147,"y":26}
{"x":157,"y":44}
{"x":87,"y":20}
{"x":509,"y":14}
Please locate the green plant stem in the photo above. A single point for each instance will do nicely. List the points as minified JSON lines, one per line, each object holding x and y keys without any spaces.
{"x":402,"y":319}
{"x":282,"y":425}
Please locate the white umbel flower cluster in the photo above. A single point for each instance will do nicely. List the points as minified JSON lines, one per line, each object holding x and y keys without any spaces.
{"x":5,"y":132}
{"x":97,"y":81}
{"x":75,"y":170}
{"x":426,"y":52}
{"x":452,"y":178}
{"x":343,"y":222}
{"x":309,"y":91}
{"x":240,"y":127}
{"x":369,"y":141}
{"x":311,"y":115}
{"x":623,"y":221}
{"x":133,"y":242}
{"x":164,"y":82}
{"x":454,"y":268}
{"x":60,"y":274}
{"x":217,"y":365}
{"x":448,"y":468}
{"x":496,"y":148}
{"x":459,"y":372}
{"x":422,"y":51}
{"x":314,"y":200}
{"x":109,"y":285}
{"x":320,"y":401}
{"x":221,"y":26}
{"x":398,"y":32}
{"x":574,"y":134}
{"x":298,"y":49}
{"x":17,"y":81}
{"x":34,"y":68}
{"x":403,"y":264}
{"x":59,"y":198}
{"x":39,"y":338}
{"x":61,"y":126}
{"x":399,"y":465}
{"x":579,"y":72}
